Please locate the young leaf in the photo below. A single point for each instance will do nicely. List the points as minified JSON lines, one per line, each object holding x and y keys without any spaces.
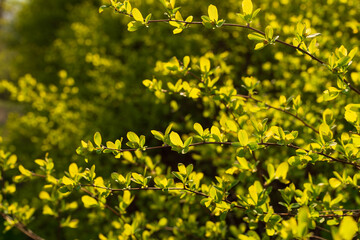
{"x":199,"y":129}
{"x":256,"y":37}
{"x":97,"y":139}
{"x":133,"y":137}
{"x":253,"y":194}
{"x":213,"y":13}
{"x":137,"y":15}
{"x":204,"y":64}
{"x":243,"y":137}
{"x":88,"y":201}
{"x":348,"y":228}
{"x":175,"y":139}
{"x":269,"y":32}
{"x":247,"y":7}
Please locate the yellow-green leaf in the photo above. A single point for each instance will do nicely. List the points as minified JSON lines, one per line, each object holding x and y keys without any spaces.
{"x":137,"y":15}
{"x":175,"y":139}
{"x":133,"y":137}
{"x":348,"y":228}
{"x":213,"y":13}
{"x":282,"y":170}
{"x":334,"y":182}
{"x":88,"y":201}
{"x":73,"y":169}
{"x":247,"y":7}
{"x":204,"y":64}
{"x":243,"y":137}
{"x":199,"y":129}
{"x":97,"y":139}
{"x":44,"y":195}
{"x":177,"y":30}
{"x":48,"y":211}
{"x":351,"y":116}
{"x":24,"y":171}
{"x":253,"y":194}
{"x":67,"y":181}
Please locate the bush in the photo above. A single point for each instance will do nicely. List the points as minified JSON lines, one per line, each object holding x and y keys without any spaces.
{"x":262,"y":143}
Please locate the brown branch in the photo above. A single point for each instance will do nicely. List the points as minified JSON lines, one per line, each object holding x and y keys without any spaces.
{"x":21,"y":227}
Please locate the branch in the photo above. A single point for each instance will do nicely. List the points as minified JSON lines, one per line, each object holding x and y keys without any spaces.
{"x":21,"y":227}
{"x":247,"y":26}
{"x":348,"y":212}
{"x":87,"y":192}
{"x":281,"y":110}
{"x":230,"y":143}
{"x":158,"y":189}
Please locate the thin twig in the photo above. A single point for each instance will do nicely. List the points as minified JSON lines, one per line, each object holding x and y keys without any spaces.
{"x":21,"y":227}
{"x":247,"y":26}
{"x":230,"y":143}
{"x":281,"y":110}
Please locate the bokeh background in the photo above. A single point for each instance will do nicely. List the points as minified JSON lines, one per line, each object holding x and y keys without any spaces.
{"x":67,"y":71}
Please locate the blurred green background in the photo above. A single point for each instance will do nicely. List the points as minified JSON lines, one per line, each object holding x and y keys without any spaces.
{"x":67,"y":71}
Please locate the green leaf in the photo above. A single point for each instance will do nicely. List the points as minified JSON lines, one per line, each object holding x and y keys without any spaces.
{"x":102,"y":7}
{"x":97,"y":139}
{"x":177,"y":30}
{"x":259,"y":46}
{"x":243,"y":138}
{"x":255,"y":13}
{"x":134,"y":25}
{"x":303,"y":221}
{"x":269,"y":32}
{"x":137,"y":15}
{"x":179,"y":176}
{"x":158,"y":135}
{"x":189,"y":169}
{"x":256,"y":37}
{"x":213,"y":13}
{"x":137,"y":178}
{"x":247,"y":7}
{"x":205,"y":19}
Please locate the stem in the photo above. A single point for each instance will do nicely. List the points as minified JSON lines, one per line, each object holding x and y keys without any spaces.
{"x":247,"y":26}
{"x":230,"y":143}
{"x":22,"y":227}
{"x":281,"y":110}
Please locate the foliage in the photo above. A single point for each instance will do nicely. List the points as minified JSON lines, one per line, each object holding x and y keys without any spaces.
{"x":271,"y":141}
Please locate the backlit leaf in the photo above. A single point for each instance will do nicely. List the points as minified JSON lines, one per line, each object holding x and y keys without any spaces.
{"x":88,"y":201}
{"x":247,"y":7}
{"x":213,"y":13}
{"x":137,"y":15}
{"x":243,"y":137}
{"x":175,"y":139}
{"x":348,"y":228}
{"x":97,"y":139}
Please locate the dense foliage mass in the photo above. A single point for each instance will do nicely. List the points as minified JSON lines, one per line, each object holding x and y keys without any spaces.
{"x":168,"y":120}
